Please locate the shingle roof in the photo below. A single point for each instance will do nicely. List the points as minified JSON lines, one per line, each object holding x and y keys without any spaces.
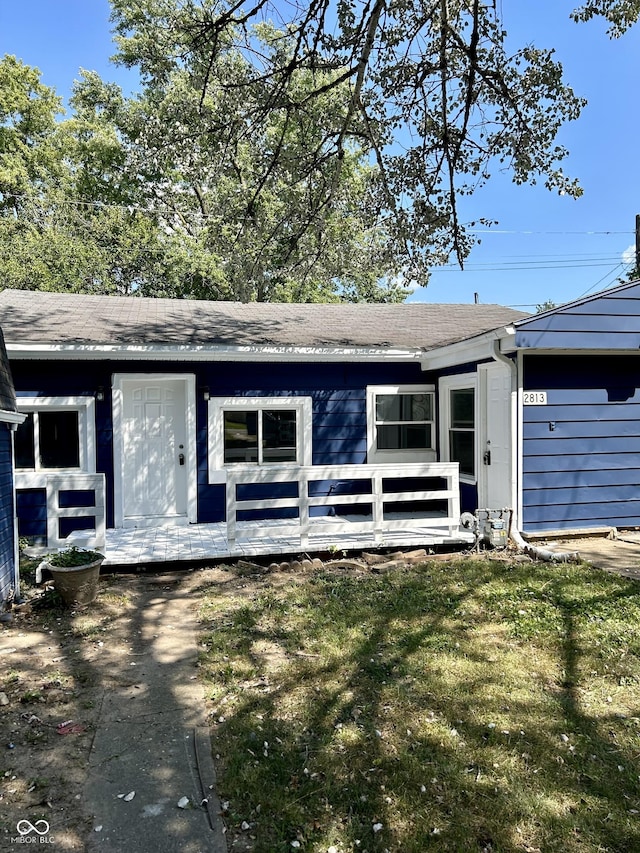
{"x":7,"y":393}
{"x":60,"y":318}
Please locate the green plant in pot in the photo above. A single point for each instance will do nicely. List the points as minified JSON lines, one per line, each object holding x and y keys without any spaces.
{"x":76,"y":573}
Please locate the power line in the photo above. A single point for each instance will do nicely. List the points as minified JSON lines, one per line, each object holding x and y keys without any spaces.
{"x":154,"y":206}
{"x":527,"y":232}
{"x":533,"y":265}
{"x":530,"y":262}
{"x":617,"y":271}
{"x":627,"y":268}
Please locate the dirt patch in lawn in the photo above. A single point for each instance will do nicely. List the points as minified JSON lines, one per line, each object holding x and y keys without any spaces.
{"x":46,"y":726}
{"x":59,"y":664}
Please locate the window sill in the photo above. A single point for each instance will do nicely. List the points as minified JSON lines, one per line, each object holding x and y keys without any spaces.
{"x":29,"y":479}
{"x":49,"y":472}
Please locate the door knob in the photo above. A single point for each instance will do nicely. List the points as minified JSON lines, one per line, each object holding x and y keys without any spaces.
{"x":181,"y":458}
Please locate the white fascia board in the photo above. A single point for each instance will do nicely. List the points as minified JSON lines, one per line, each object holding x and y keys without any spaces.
{"x":469,"y":350}
{"x":11,"y":417}
{"x":566,"y":351}
{"x":201,"y":353}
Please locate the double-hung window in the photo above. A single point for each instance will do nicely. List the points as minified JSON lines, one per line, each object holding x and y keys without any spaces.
{"x":58,"y":434}
{"x":258,"y":431}
{"x":401,"y":423}
{"x":458,"y":423}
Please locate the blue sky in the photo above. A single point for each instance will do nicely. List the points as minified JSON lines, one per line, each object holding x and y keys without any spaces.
{"x":545,"y":246}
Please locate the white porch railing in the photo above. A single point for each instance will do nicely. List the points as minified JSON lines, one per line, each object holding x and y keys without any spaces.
{"x":382,"y":502}
{"x":53,"y":485}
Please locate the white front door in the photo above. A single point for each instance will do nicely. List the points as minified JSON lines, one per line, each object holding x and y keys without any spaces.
{"x":154,"y":447}
{"x":494,"y":474}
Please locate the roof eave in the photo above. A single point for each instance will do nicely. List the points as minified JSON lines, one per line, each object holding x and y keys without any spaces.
{"x":187,"y":352}
{"x":11,"y":417}
{"x":469,"y":350}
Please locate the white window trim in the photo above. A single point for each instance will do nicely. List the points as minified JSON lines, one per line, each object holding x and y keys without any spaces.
{"x":457,"y":383}
{"x":85,"y":406}
{"x":217,"y":405}
{"x":381,"y":456}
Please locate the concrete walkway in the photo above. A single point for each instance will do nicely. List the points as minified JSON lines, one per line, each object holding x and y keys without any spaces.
{"x":152,"y":739}
{"x":620,"y":556}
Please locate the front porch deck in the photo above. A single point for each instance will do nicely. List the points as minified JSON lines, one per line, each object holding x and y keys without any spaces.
{"x":269,"y":512}
{"x":142,"y":546}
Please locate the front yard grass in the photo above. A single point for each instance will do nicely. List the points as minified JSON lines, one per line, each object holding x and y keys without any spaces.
{"x":459,"y":706}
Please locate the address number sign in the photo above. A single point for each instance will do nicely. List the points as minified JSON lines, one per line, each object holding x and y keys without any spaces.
{"x":534,"y":398}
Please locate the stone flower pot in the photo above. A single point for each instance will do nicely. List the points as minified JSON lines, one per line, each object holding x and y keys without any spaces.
{"x":75,"y":574}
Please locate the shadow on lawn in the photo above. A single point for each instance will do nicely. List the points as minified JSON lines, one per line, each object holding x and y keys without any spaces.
{"x":614,"y":779}
{"x":406,"y":701}
{"x":100,"y":655}
{"x":46,"y":682}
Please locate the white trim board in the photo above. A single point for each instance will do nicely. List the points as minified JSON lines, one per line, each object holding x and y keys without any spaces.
{"x":179,"y":352}
{"x":519,"y":439}
{"x":16,"y":542}
{"x":468,"y":351}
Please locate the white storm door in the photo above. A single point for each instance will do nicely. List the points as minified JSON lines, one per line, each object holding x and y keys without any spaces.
{"x":494,"y":476}
{"x":154,"y":481}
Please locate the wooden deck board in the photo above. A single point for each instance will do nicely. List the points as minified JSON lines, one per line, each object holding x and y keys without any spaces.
{"x":146,"y":545}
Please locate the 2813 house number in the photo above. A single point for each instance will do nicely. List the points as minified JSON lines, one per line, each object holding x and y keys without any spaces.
{"x":534,"y":398}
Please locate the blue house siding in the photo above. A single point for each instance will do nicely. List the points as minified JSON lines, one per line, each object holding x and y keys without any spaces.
{"x":339,"y":408}
{"x":581,"y":452}
{"x":7,"y":541}
{"x":608,"y":321}
{"x":337,"y":391}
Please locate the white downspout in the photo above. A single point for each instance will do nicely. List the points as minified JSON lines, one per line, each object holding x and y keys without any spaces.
{"x":534,"y":551}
